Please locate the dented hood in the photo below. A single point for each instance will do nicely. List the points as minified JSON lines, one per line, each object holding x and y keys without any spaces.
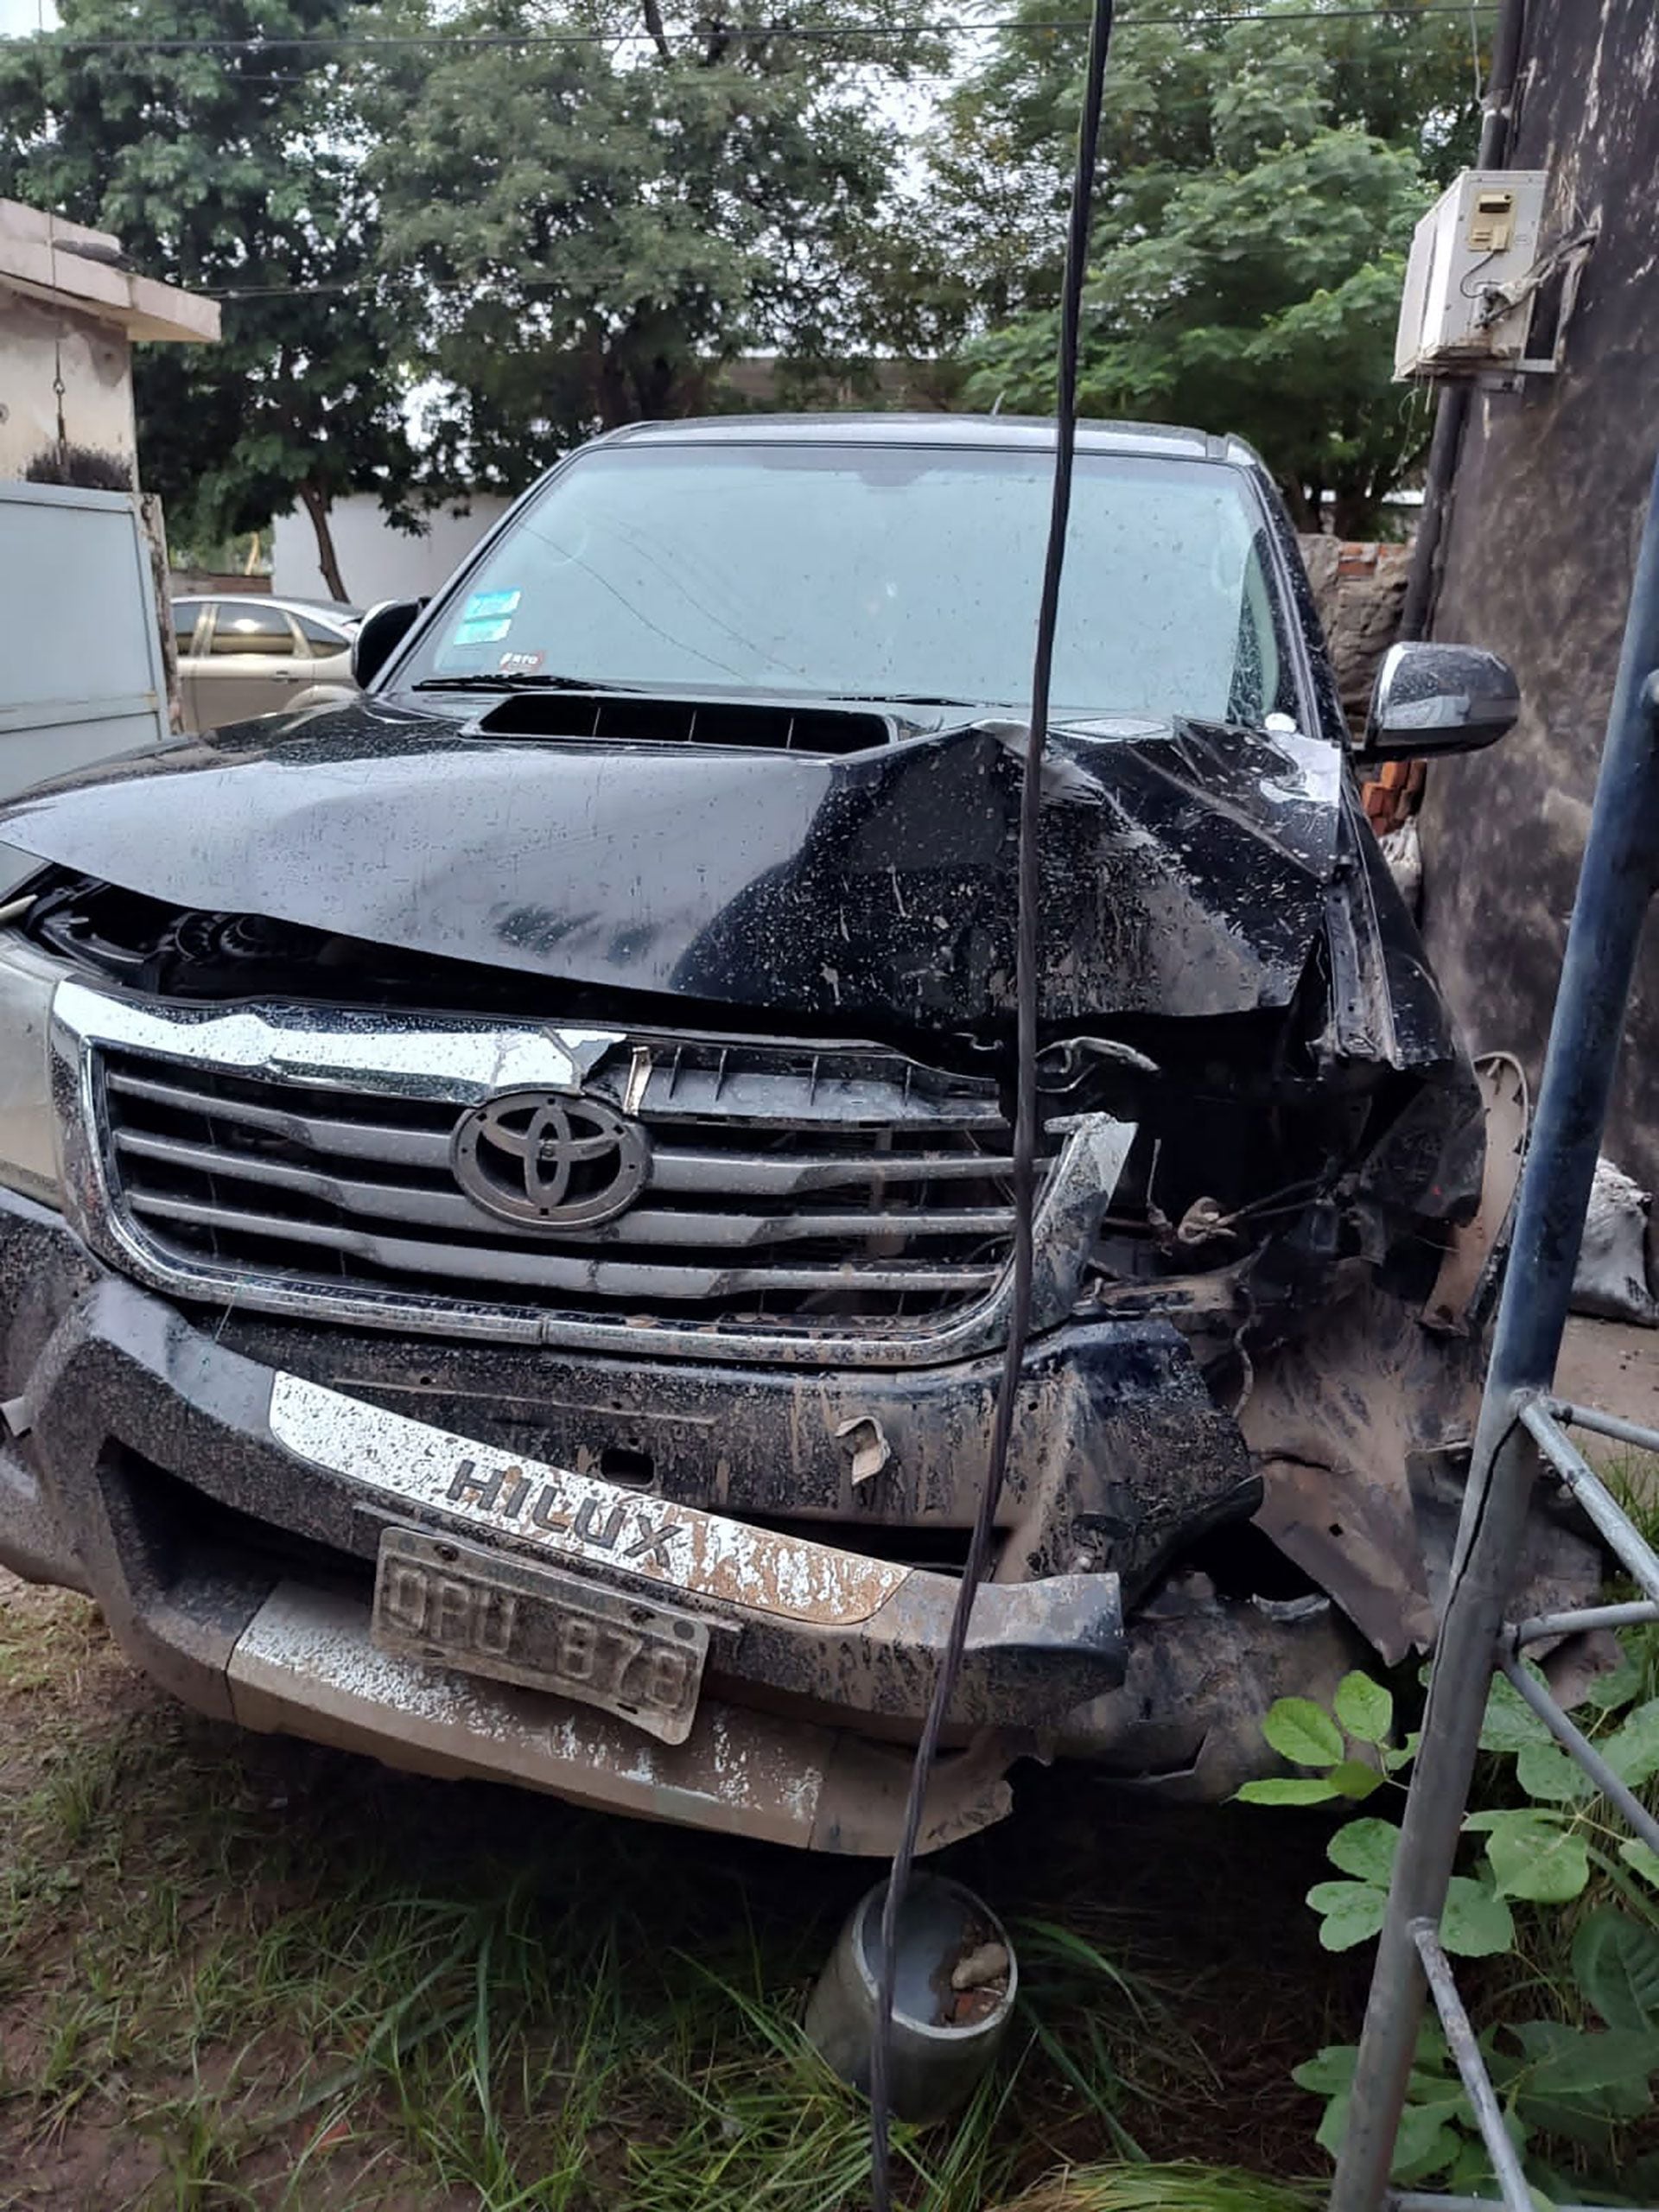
{"x":1183,"y":865}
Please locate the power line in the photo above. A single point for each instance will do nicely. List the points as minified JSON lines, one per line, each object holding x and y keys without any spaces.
{"x":1217,"y":18}
{"x":1378,"y":52}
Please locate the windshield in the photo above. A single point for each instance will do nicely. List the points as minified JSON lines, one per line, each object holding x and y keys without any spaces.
{"x":884,"y":572}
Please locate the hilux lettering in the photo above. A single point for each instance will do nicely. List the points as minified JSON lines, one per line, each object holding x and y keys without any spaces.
{"x":649,"y":1544}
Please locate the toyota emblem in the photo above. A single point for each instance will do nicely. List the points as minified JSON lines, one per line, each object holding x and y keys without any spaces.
{"x":549,"y":1159}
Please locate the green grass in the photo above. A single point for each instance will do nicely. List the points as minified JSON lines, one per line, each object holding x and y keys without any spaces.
{"x":1183,"y":2188}
{"x":239,"y":1972}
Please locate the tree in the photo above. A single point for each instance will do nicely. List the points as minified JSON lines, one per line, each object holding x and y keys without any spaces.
{"x":594,"y":213}
{"x":230,"y":168}
{"x":1260,"y":181}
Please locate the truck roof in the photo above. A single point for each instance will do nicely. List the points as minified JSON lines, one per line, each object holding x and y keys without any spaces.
{"x":1016,"y":432}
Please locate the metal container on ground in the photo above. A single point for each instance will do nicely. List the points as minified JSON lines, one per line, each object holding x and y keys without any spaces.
{"x":938,"y":2060}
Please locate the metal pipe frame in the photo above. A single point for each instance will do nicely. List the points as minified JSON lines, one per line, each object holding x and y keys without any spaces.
{"x":1551,"y":1627}
{"x":1617,"y":1528}
{"x":1414,"y":2201}
{"x":1572,"y":1739}
{"x":1601,"y":1424}
{"x":1616,"y":882}
{"x":1472,"y":2069}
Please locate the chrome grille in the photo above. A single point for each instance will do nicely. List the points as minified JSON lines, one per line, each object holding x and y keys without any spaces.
{"x":833,"y":1200}
{"x":782,"y":1208}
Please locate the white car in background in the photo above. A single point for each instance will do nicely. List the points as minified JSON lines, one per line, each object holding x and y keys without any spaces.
{"x":240,"y":657}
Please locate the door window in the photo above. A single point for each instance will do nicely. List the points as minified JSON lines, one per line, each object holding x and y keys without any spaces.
{"x":248,"y":629}
{"x":320,"y":641}
{"x":184,"y":611}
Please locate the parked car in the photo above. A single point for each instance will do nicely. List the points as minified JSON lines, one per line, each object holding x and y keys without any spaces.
{"x":506,"y":1232}
{"x":239,"y":657}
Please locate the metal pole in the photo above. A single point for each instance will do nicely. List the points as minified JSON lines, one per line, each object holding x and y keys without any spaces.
{"x":1615,"y":883}
{"x":1422,"y":578}
{"x":1452,"y":411}
{"x":1472,"y":2069}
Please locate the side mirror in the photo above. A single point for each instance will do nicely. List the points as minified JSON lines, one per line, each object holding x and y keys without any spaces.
{"x":381,"y":630}
{"x":1430,"y":699}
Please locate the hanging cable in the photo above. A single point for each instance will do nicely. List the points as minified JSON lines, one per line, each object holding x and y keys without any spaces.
{"x":1028,"y":951}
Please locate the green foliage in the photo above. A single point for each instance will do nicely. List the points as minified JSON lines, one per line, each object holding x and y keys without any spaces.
{"x":226,"y":171}
{"x":1578,"y":2081}
{"x":1616,"y":1960}
{"x":1306,"y":1735}
{"x":1261,"y":179}
{"x":585,"y":234}
{"x":1301,"y":1731}
{"x":1365,"y":1708}
{"x":546,"y":236}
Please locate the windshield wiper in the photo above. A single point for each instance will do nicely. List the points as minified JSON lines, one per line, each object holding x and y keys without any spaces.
{"x":508,"y":679}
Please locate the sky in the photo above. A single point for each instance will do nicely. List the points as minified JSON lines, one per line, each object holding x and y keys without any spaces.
{"x":24,"y":16}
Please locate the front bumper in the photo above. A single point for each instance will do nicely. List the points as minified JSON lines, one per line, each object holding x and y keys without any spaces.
{"x":222,"y":1496}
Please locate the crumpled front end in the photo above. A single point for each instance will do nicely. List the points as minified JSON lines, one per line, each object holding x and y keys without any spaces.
{"x":595,"y":1388}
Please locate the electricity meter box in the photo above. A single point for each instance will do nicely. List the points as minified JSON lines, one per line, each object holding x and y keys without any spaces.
{"x":1479,"y":239}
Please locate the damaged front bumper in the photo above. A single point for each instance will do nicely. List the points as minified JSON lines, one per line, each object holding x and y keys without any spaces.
{"x":223,"y":1497}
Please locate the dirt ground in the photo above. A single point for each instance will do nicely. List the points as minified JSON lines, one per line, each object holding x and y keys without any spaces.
{"x":1612,"y":1365}
{"x":239,"y":1971}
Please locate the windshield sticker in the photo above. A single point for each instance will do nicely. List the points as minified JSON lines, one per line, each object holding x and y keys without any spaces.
{"x":520,"y":664}
{"x":488,"y":605}
{"x":482,"y":634}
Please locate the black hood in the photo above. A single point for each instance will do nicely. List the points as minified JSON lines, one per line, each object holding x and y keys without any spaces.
{"x":1185,"y":866}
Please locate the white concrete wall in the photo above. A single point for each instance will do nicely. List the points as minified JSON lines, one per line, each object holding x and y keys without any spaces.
{"x":376,"y":561}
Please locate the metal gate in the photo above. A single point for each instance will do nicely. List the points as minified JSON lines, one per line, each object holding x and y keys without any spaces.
{"x":81,"y":670}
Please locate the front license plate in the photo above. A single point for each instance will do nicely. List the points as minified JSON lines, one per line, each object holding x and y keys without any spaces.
{"x":459,"y":1604}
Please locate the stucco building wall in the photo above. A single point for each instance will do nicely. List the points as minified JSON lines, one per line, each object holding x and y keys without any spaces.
{"x":1549,"y":496}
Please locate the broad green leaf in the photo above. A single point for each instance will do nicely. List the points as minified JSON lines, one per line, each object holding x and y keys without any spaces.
{"x":1616,"y":1962}
{"x":1329,"y":2071}
{"x":1355,"y":1780}
{"x":1606,"y":1693}
{"x":1632,"y":1750}
{"x":1303,"y":1732}
{"x":1365,"y":1849}
{"x":1476,"y":1924}
{"x":1639,"y":1856}
{"x":1584,"y":2116}
{"x":1510,"y":1724}
{"x":1403,"y":1754}
{"x":1587,"y":2064}
{"x":1333,"y":2124}
{"x":1590,"y":2119}
{"x":1365,"y":1708}
{"x":1534,"y":1856}
{"x":1425,"y":2143}
{"x":1545,"y":1772}
{"x":1290,"y":1790}
{"x":1352,"y":1912}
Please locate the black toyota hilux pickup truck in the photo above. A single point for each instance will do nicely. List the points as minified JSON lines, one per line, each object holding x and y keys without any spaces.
{"x":505,"y":1207}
